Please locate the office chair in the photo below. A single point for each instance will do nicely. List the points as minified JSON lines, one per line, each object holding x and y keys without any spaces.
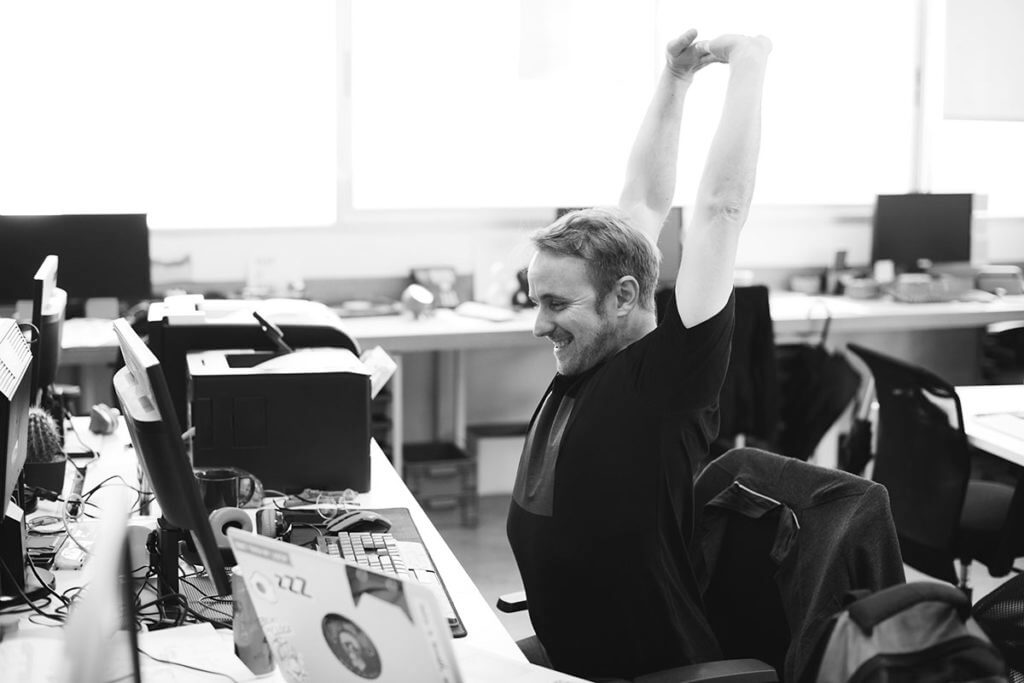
{"x":1002,"y":353}
{"x":922,"y":457}
{"x":778,"y":542}
{"x":1001,"y":615}
{"x":750,"y":399}
{"x":782,"y":542}
{"x":749,"y":402}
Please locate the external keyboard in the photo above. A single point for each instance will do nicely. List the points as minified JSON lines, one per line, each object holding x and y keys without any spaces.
{"x":383,"y":553}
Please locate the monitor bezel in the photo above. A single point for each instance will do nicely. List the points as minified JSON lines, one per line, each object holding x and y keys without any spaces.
{"x":49,"y":306}
{"x":888,"y":236}
{"x":157,"y":437}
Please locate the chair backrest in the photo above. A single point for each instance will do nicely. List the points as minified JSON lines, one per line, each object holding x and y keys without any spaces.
{"x":781,"y":541}
{"x":1001,"y":615}
{"x":749,"y":400}
{"x":1002,"y":353}
{"x":921,"y":457}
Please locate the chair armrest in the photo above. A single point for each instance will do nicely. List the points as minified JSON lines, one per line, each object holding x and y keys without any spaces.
{"x":512,"y":602}
{"x":726,"y":671}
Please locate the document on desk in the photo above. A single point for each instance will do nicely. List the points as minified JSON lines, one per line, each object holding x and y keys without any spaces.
{"x":38,"y":655}
{"x":198,"y":646}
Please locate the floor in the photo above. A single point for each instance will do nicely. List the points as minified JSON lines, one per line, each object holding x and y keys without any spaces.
{"x":485,"y":554}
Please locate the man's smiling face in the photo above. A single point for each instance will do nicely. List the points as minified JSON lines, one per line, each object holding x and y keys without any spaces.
{"x":581,"y":328}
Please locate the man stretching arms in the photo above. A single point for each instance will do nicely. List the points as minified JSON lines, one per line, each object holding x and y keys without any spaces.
{"x":601,"y":517}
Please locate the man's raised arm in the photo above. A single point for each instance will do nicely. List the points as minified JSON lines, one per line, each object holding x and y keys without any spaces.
{"x":651,"y":171}
{"x":727,"y":183}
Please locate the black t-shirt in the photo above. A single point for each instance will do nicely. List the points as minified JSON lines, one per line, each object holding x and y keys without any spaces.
{"x":602,"y":510}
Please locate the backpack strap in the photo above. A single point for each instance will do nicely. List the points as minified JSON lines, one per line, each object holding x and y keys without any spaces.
{"x":870,"y":611}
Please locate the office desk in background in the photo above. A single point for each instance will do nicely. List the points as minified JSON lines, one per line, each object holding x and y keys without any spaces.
{"x":796,"y":318}
{"x":89,"y":345}
{"x":980,"y":401}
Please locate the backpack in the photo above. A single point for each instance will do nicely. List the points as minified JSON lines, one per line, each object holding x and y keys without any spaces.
{"x":920,"y":631}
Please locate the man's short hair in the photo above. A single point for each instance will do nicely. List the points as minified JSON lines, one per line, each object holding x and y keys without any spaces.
{"x":609,"y":245}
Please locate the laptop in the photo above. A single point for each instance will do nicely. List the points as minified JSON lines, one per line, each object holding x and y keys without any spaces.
{"x":327,"y":619}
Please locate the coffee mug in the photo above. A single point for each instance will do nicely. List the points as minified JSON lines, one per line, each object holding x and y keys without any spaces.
{"x":222,"y":487}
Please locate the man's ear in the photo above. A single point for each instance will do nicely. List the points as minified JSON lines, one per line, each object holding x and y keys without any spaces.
{"x":627,"y":294}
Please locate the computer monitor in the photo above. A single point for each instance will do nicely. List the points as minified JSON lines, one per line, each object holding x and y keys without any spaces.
{"x":670,"y":242}
{"x":100,"y":255}
{"x":157,"y":436}
{"x":18,"y":581}
{"x":49,"y":303}
{"x":912,"y":227}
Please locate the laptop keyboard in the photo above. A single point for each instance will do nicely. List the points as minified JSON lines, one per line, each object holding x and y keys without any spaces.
{"x":383,"y":553}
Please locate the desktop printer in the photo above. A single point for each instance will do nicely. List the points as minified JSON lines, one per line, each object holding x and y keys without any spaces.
{"x":184,"y":323}
{"x":297,"y":420}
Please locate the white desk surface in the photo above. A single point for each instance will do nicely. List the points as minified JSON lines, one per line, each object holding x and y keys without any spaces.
{"x":997,"y":398}
{"x":484,"y":630}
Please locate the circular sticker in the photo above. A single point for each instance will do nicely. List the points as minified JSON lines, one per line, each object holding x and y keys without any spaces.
{"x":351,"y":646}
{"x":263,"y":587}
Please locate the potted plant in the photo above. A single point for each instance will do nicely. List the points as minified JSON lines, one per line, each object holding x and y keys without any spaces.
{"x":46,"y":462}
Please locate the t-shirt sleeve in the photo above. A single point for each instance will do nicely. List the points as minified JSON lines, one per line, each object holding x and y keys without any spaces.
{"x":683,"y":368}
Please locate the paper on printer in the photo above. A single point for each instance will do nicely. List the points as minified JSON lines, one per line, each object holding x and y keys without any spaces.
{"x":374,"y":362}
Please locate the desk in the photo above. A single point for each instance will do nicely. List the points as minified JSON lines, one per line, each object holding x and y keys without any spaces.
{"x":90,"y":344}
{"x":979,"y":400}
{"x":795,"y":317}
{"x":484,"y":630}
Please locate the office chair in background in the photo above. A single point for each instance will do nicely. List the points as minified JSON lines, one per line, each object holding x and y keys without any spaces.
{"x":1002,"y":353}
{"x":923,"y":458}
{"x":1001,"y":615}
{"x":750,"y":399}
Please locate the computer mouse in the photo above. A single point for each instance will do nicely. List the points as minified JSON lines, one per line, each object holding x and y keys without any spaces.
{"x":359,"y":520}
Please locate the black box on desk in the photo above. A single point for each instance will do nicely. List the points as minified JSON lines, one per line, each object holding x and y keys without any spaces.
{"x":295,"y":421}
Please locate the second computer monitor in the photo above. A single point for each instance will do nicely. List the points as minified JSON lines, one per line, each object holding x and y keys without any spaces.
{"x":909,"y":228}
{"x":101,"y":255}
{"x":157,"y":436}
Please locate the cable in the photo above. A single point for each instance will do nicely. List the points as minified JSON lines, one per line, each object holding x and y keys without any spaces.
{"x":51,"y":591}
{"x":28,"y":602}
{"x":95,"y":454}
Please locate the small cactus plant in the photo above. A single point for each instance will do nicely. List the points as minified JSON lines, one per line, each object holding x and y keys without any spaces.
{"x":43,"y":437}
{"x":46,"y":462}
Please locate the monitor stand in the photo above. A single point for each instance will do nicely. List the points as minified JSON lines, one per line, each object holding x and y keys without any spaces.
{"x":19,"y":583}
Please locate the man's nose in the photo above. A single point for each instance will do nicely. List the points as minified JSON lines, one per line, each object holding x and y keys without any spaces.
{"x":542,"y":325}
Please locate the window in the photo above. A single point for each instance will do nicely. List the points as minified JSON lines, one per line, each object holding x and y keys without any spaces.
{"x":200,"y":114}
{"x":522,"y":103}
{"x":975,"y":109}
